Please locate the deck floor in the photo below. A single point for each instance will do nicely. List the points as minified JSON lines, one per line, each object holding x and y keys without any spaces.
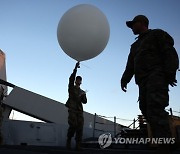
{"x":62,"y":150}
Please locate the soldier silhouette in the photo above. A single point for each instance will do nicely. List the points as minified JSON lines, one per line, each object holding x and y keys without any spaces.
{"x":75,"y":109}
{"x":153,"y":61}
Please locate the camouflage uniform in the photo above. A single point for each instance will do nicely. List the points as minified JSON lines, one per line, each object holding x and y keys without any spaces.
{"x":154,"y":62}
{"x":75,"y":109}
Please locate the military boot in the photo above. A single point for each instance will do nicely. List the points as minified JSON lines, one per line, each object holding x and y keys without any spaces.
{"x":78,"y":146}
{"x":68,"y":144}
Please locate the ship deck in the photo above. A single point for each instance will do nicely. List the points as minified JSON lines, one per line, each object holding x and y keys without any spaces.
{"x":57,"y":150}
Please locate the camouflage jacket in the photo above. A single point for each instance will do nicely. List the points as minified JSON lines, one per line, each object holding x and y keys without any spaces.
{"x":152,"y":52}
{"x":75,"y":99}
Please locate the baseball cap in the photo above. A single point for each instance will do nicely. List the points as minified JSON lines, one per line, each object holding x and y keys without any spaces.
{"x":138,"y":18}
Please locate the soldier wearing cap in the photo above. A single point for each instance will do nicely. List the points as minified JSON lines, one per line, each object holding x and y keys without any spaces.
{"x":153,"y":61}
{"x":75,"y":109}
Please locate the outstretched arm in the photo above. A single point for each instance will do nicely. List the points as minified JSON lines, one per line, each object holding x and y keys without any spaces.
{"x":73,"y":75}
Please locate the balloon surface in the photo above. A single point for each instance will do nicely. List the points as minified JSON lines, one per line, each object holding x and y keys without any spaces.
{"x":83,"y":32}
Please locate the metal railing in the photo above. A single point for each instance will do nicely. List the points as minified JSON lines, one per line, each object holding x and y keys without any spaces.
{"x":114,"y":131}
{"x":136,"y":123}
{"x":102,"y":123}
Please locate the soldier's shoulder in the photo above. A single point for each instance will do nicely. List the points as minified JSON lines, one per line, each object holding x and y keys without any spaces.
{"x":157,"y":30}
{"x":160,"y":32}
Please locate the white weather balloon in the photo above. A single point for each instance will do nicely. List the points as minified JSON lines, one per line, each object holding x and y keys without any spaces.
{"x":83,"y":32}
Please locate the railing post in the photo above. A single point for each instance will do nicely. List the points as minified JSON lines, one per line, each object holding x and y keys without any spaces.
{"x":94,"y":125}
{"x":171,"y":111}
{"x":134,"y":121}
{"x":114,"y":126}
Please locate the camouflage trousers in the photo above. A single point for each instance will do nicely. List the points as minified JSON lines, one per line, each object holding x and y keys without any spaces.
{"x":76,"y":122}
{"x":153,"y":98}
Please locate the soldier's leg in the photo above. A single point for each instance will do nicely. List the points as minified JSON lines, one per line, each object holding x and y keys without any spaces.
{"x":142,"y":101}
{"x":157,"y":100}
{"x":72,"y":121}
{"x":79,"y":130}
